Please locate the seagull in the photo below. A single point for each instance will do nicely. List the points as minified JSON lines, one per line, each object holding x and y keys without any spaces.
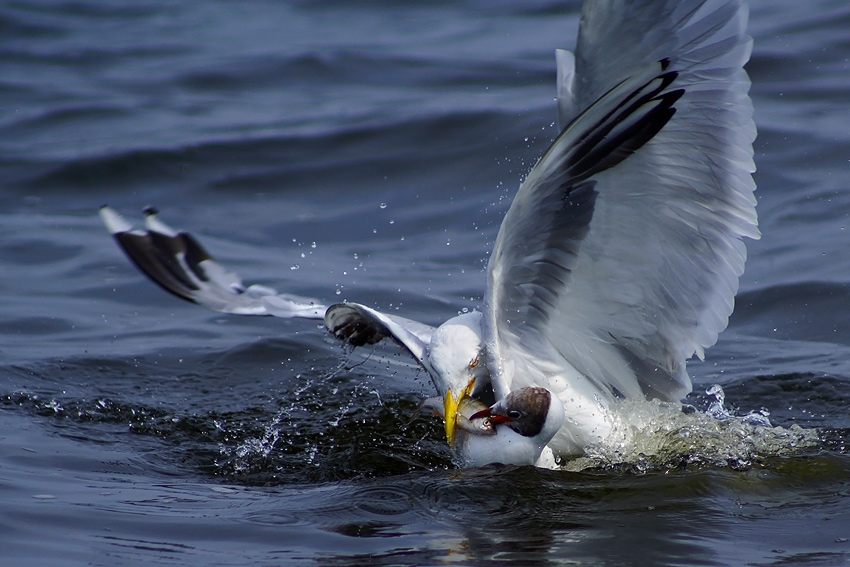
{"x":617,"y":261}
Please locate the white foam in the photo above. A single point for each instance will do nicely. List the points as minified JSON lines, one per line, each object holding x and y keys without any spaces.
{"x":660,"y":435}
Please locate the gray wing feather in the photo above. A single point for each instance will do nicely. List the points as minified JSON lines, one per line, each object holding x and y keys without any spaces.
{"x":565,"y":64}
{"x":617,"y":37}
{"x":621,"y":253}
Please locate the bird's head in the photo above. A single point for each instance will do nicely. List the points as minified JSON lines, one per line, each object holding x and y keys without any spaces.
{"x":456,"y":361}
{"x":533,"y":413}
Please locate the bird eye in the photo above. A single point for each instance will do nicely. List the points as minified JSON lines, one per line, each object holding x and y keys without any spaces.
{"x":474,"y":363}
{"x":514,"y":414}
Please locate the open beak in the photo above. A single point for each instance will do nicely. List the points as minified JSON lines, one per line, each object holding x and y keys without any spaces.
{"x":451,"y":407}
{"x":494,"y":417}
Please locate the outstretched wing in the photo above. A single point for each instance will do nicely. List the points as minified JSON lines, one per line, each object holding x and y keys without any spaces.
{"x":618,"y":37}
{"x":180,"y":265}
{"x":620,"y":256}
{"x":359,"y":325}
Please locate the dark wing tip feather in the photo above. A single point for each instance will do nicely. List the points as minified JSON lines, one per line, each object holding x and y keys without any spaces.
{"x":158,"y":255}
{"x":195,"y":254}
{"x":153,"y":254}
{"x":178,"y":263}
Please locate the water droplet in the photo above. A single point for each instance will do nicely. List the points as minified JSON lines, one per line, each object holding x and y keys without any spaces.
{"x":294,"y":267}
{"x":383,"y":205}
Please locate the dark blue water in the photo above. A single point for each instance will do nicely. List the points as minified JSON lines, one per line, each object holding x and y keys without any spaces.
{"x":368,"y":151}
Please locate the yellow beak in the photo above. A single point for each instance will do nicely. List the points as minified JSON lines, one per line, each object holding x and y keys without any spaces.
{"x":451,"y":407}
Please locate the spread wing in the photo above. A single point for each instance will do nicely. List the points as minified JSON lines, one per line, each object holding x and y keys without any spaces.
{"x":178,"y":263}
{"x":620,"y":255}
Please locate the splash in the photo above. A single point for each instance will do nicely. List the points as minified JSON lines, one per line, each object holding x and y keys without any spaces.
{"x":254,"y":449}
{"x":650,"y":436}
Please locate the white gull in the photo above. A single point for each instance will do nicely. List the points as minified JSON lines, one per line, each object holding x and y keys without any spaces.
{"x":617,"y":261}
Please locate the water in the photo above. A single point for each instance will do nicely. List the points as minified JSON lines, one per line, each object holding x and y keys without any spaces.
{"x":369,"y":152}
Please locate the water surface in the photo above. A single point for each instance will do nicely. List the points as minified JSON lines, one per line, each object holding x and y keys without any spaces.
{"x":369,"y":152}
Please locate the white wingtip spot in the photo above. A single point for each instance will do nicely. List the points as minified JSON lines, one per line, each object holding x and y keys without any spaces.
{"x":114,"y":222}
{"x":153,"y":223}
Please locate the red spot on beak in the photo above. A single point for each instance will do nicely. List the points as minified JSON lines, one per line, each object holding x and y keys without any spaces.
{"x":495,"y":417}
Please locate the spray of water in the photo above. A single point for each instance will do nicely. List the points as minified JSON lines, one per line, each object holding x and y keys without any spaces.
{"x":656,"y":435}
